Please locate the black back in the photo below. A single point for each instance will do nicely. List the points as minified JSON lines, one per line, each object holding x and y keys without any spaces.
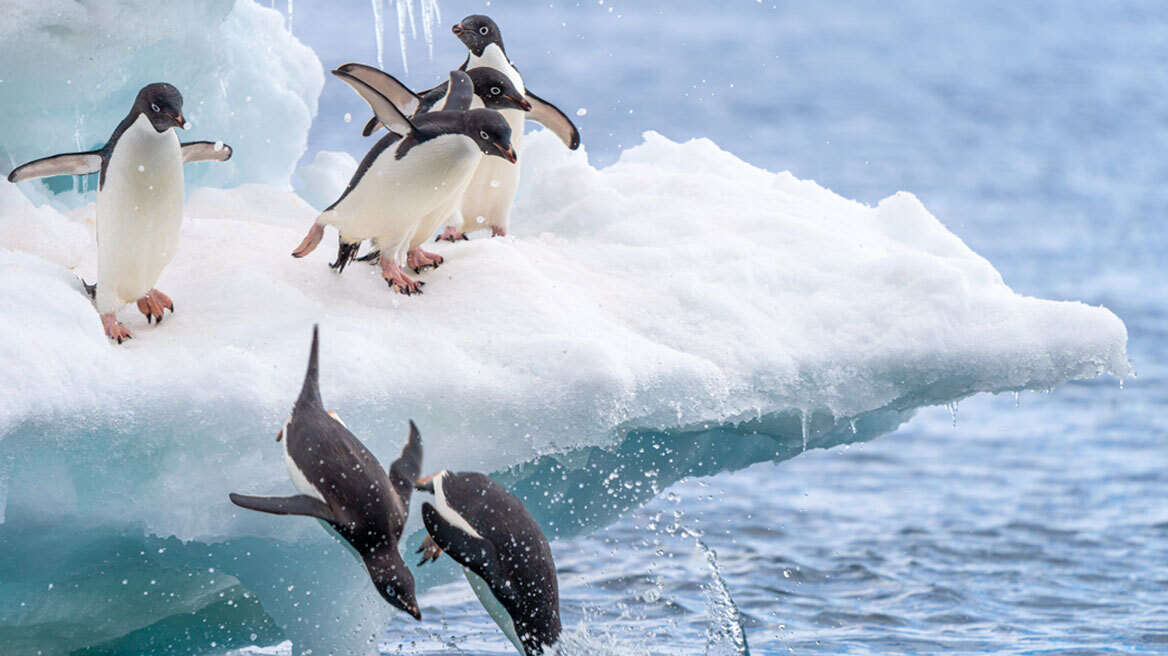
{"x":524,"y":556}
{"x":367,"y":508}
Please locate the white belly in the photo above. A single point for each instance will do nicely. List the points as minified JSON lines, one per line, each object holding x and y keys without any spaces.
{"x":139,"y":214}
{"x":494,"y":608}
{"x":394,"y":199}
{"x":490,"y":194}
{"x":488,"y":198}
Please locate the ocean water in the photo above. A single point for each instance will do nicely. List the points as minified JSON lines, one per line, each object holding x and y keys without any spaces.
{"x":1037,"y":132}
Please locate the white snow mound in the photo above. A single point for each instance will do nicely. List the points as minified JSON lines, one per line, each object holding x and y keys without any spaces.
{"x":679,"y":287}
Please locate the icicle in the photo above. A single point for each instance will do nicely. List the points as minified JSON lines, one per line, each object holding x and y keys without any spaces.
{"x":379,"y":29}
{"x":1017,"y":398}
{"x":806,"y":429}
{"x":853,"y":425}
{"x":410,"y":13}
{"x":952,"y":405}
{"x":401,"y":33}
{"x":430,"y":16}
{"x":291,"y":13}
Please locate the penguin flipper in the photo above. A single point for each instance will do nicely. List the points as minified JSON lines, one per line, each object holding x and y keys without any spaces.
{"x":205,"y":151}
{"x":386,"y":86}
{"x":458,"y":90}
{"x":301,"y":504}
{"x":475,"y":554}
{"x":550,"y":116}
{"x":405,"y":470}
{"x":64,"y":164}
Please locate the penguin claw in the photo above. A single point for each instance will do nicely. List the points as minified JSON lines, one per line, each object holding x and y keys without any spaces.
{"x":451,"y":235}
{"x":114,"y":328}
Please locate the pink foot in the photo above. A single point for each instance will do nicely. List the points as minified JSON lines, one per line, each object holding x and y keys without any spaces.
{"x":419,"y":259}
{"x":451,"y":234}
{"x":398,"y":279}
{"x":498,"y":232}
{"x":114,"y":328}
{"x":310,"y":241}
{"x":430,"y":551}
{"x":152,"y":305}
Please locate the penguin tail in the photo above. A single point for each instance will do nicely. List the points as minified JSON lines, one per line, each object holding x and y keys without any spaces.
{"x":310,"y":241}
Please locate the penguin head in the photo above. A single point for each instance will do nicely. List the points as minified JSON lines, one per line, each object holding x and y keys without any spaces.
{"x":491,"y":132}
{"x":394,"y":582}
{"x":495,"y":89}
{"x":477,"y":32}
{"x":162,"y":104}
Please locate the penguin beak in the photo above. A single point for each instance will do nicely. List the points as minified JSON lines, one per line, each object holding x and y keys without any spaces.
{"x":522,"y":102}
{"x":179,"y":121}
{"x":509,"y":153}
{"x":458,"y":29}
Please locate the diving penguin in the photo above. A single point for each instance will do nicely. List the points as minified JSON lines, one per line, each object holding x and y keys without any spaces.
{"x":343,"y":484}
{"x":410,"y":180}
{"x":503,"y":554}
{"x":488,"y":198}
{"x":139,"y":201}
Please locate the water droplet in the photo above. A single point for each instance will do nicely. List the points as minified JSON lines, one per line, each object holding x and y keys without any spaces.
{"x":141,"y":169}
{"x":581,"y":112}
{"x":348,"y":117}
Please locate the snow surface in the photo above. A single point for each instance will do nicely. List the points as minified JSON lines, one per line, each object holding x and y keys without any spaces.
{"x":678,"y":313}
{"x":244,"y":78}
{"x":680,"y":287}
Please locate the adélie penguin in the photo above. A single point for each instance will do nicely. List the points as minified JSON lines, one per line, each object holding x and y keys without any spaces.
{"x":487,"y":201}
{"x":503,"y":554}
{"x":139,"y":201}
{"x":475,"y":88}
{"x":410,"y":180}
{"x":342,"y":483}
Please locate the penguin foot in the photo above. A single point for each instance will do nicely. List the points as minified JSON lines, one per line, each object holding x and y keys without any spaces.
{"x":419,"y":260}
{"x":152,"y":305}
{"x":496,"y":231}
{"x":451,"y":234}
{"x":345,"y":253}
{"x":398,"y":280}
{"x":372,"y":257}
{"x":114,"y":328}
{"x":310,"y":241}
{"x":430,"y":551}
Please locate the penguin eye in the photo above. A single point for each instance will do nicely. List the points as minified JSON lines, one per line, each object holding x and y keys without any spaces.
{"x":484,"y":29}
{"x":495,"y":91}
{"x":484,"y":135}
{"x":155,"y":108}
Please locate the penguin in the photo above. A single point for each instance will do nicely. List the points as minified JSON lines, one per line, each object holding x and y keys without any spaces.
{"x":487,"y":201}
{"x":139,"y":201}
{"x":342,"y":484}
{"x":504,"y":554}
{"x":412,"y":178}
{"x":487,"y":88}
{"x":475,"y":88}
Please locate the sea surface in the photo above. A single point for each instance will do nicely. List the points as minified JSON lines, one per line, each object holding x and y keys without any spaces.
{"x":1036,"y":131}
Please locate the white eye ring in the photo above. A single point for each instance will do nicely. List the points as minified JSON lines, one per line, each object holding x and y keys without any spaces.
{"x":484,"y":135}
{"x":154,"y":107}
{"x":483,"y":30}
{"x":495,"y":91}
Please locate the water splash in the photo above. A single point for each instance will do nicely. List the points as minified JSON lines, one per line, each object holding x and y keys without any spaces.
{"x":725,"y":634}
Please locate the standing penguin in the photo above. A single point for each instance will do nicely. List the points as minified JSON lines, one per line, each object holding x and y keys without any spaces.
{"x":488,"y":198}
{"x":343,"y":484}
{"x":476,"y":88}
{"x":139,"y":201}
{"x":503,"y":554}
{"x":412,"y":178}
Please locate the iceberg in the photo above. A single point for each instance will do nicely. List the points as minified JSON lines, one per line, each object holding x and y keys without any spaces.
{"x":69,"y":72}
{"x":678,"y":313}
